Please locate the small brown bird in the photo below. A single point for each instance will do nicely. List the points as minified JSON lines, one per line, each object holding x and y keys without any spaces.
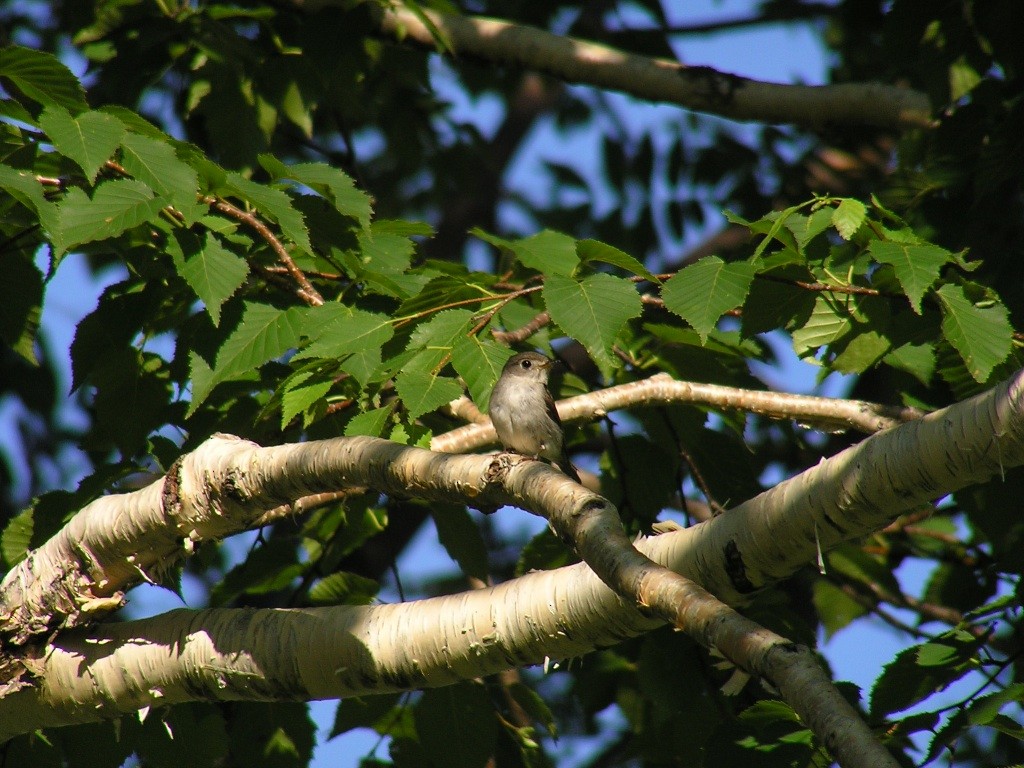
{"x":524,"y":414}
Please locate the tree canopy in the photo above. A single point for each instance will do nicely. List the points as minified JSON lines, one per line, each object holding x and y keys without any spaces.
{"x":318,"y":255}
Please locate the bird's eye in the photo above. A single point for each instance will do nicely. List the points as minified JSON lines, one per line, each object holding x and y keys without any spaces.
{"x":526,"y":364}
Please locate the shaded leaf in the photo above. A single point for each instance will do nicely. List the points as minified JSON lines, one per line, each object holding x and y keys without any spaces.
{"x":461,"y":539}
{"x":464,"y":708}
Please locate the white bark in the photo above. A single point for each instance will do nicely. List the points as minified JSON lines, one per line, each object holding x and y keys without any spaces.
{"x":765,"y":539}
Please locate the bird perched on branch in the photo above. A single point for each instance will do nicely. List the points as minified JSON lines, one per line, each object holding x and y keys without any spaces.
{"x":524,"y":414}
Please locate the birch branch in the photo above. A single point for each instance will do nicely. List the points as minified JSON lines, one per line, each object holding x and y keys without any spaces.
{"x":698,"y":88}
{"x":661,"y":389}
{"x":858,"y":490}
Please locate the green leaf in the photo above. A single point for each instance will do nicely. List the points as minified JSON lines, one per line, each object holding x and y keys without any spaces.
{"x":479,"y":363}
{"x":463,"y":708}
{"x":332,"y":183}
{"x":829,"y":322}
{"x":24,"y":188}
{"x":116,"y":206}
{"x":275,"y":204}
{"x":595,"y":250}
{"x":89,"y":139}
{"x":921,"y":670}
{"x":21,"y":300}
{"x":156,"y":163}
{"x":549,"y":252}
{"x":263,"y":334}
{"x":352,"y":335}
{"x":211,"y":270}
{"x":461,"y":539}
{"x":365,"y":712}
{"x":371,"y":423}
{"x":593,"y":311}
{"x":389,"y":253}
{"x":848,"y":217}
{"x":917,"y":265}
{"x":343,"y":589}
{"x":441,"y":331}
{"x":302,"y":391}
{"x":42,"y":77}
{"x":806,"y":228}
{"x":424,"y":392}
{"x":982,"y":335}
{"x":836,"y":609}
{"x":701,"y":293}
{"x":17,"y":537}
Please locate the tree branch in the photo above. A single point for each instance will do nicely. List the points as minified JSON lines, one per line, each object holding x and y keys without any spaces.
{"x":698,"y":88}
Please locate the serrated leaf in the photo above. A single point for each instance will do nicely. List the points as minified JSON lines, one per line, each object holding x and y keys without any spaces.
{"x":806,"y":228}
{"x":593,"y":311}
{"x":921,"y":670}
{"x":29,"y":192}
{"x":371,"y":423}
{"x":701,"y":293}
{"x":42,"y":77}
{"x":464,"y":708}
{"x":424,"y":392}
{"x":848,"y":217}
{"x":301,"y":392}
{"x":116,"y":206}
{"x":829,"y":322}
{"x":534,"y":706}
{"x":365,"y":712}
{"x":836,"y":609}
{"x":343,"y":588}
{"x":442,"y":330}
{"x":263,"y":333}
{"x":21,"y":300}
{"x":332,"y":183}
{"x":17,"y":537}
{"x":461,"y":539}
{"x":211,"y":270}
{"x":155,"y":162}
{"x":982,"y":335}
{"x":550,"y":252}
{"x":89,"y":139}
{"x":865,"y":349}
{"x":479,"y":363}
{"x":916,"y":265}
{"x":275,"y":204}
{"x":388,"y":253}
{"x":353,"y":335}
{"x":595,"y":250}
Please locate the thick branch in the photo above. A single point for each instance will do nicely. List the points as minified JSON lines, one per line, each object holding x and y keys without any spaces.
{"x":119,"y":540}
{"x":698,"y":88}
{"x":858,"y":490}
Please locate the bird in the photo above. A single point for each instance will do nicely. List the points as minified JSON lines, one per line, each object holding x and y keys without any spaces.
{"x":523,"y":412}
